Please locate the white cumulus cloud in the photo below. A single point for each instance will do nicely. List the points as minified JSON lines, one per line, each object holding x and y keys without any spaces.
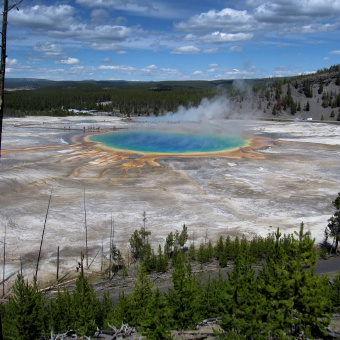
{"x":69,"y":61}
{"x":186,"y":50}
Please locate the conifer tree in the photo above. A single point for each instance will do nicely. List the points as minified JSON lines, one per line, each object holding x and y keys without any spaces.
{"x":107,"y":311}
{"x":294,"y":294}
{"x":235,"y":252}
{"x":25,"y":312}
{"x":123,"y":312}
{"x":141,"y":295}
{"x":169,"y":242}
{"x":311,"y":307}
{"x":60,"y":312}
{"x":192,"y":252}
{"x":148,"y":258}
{"x":334,"y":292}
{"x":210,"y":251}
{"x":228,"y":250}
{"x":219,"y":248}
{"x":136,"y":244}
{"x":333,"y":227}
{"x":161,"y":261}
{"x":85,"y":307}
{"x":244,"y":303}
{"x":202,"y":254}
{"x":213,"y":297}
{"x":183,"y":237}
{"x":183,"y":297}
{"x":157,"y":318}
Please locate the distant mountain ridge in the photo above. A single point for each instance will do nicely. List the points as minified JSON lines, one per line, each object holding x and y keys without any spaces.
{"x":313,"y":97}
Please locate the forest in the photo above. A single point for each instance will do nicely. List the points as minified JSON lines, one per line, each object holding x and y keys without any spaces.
{"x":275,"y":95}
{"x":124,"y":98}
{"x":280,"y":298}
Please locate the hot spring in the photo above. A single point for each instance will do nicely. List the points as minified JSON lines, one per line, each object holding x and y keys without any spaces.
{"x":168,"y":142}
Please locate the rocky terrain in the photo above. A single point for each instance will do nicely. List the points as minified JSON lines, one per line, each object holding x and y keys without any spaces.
{"x":288,"y":175}
{"x":316,"y":105}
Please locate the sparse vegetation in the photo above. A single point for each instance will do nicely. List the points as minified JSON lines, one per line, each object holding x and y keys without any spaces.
{"x":285,"y":300}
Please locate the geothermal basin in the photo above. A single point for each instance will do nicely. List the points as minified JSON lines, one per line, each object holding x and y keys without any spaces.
{"x":165,"y":142}
{"x":278,"y":174}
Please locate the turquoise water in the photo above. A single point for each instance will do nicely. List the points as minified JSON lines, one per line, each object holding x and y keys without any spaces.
{"x":167,"y":142}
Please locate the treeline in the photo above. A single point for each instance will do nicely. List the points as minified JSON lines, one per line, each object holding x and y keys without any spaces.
{"x":126,"y":99}
{"x":285,"y":299}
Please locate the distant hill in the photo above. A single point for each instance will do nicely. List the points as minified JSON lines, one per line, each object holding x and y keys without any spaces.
{"x":313,"y":97}
{"x":25,"y":83}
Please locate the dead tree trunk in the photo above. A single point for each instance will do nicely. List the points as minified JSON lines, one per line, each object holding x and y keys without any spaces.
{"x":3,"y":62}
{"x":3,"y":66}
{"x":86,"y":249}
{"x":42,"y":236}
{"x":58,"y":264}
{"x":111,"y":243}
{"x":4,"y":265}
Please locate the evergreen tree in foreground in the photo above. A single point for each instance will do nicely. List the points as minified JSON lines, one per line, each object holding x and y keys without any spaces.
{"x":25,"y":313}
{"x":156,"y":320}
{"x":183,"y":297}
{"x":60,"y":312}
{"x":141,"y":296}
{"x":244,"y":303}
{"x":85,"y":308}
{"x":295,"y":303}
{"x":333,"y":227}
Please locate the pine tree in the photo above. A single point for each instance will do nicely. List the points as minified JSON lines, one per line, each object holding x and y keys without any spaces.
{"x":333,"y":227}
{"x":183,"y":297}
{"x":202,"y":254}
{"x":310,"y":304}
{"x":213,"y":297}
{"x":162,"y":261}
{"x":107,"y":311}
{"x":294,"y":295}
{"x":85,"y":307}
{"x":293,"y":108}
{"x":245,"y":305}
{"x":183,"y":237}
{"x":228,"y":250}
{"x":123,"y":312}
{"x":334,"y":292}
{"x":192,"y":252}
{"x":60,"y":312}
{"x":141,"y":295}
{"x":25,"y":312}
{"x":210,"y":251}
{"x":148,"y":258}
{"x":219,"y":249}
{"x":169,"y":242}
{"x":235,"y":248}
{"x":157,"y":318}
{"x":136,"y":244}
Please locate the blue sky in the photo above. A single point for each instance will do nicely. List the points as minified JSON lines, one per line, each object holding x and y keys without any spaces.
{"x":171,"y":39}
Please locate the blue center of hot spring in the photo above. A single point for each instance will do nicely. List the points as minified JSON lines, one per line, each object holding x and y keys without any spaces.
{"x":167,"y":142}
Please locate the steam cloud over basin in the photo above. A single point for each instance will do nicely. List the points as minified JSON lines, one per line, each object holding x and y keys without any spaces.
{"x":168,"y":142}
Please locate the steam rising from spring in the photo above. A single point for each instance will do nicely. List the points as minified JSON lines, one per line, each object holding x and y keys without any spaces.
{"x":219,"y":107}
{"x":209,"y":109}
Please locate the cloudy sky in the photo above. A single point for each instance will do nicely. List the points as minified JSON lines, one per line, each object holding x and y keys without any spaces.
{"x":171,"y":39}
